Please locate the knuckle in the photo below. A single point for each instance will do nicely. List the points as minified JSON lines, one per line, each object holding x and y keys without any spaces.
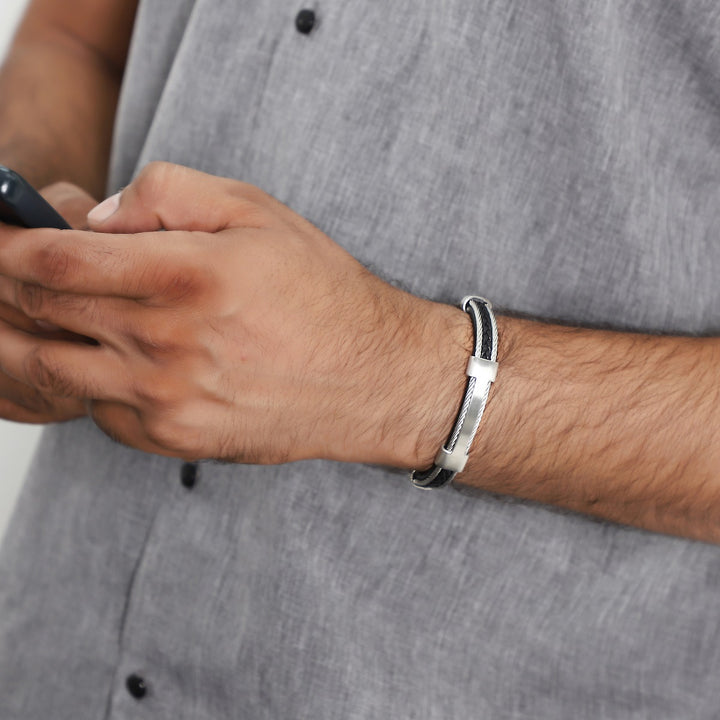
{"x":32,"y":399}
{"x":176,"y":282}
{"x":165,"y":431}
{"x":180,"y":284}
{"x":251,"y":193}
{"x":39,"y":403}
{"x":251,"y":205}
{"x":159,"y":341}
{"x":62,"y":187}
{"x":153,"y":170}
{"x":52,"y":264}
{"x":45,"y":376}
{"x":30,"y":299}
{"x":154,"y":179}
{"x":59,"y":191}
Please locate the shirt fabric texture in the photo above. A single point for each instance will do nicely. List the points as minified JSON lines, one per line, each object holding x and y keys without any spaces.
{"x":560,"y":158}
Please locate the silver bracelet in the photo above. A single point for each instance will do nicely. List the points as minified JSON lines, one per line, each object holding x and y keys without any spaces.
{"x":481,"y":371}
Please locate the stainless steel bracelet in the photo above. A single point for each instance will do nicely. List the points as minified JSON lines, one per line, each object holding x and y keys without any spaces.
{"x":481,"y":371}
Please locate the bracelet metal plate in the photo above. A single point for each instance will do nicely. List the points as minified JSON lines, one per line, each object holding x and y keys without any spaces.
{"x":482,"y":372}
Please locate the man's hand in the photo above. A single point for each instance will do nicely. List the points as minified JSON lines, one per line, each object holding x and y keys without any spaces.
{"x":19,"y":401}
{"x":229,"y":327}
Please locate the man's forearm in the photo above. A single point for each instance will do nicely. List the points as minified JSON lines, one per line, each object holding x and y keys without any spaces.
{"x":619,"y":425}
{"x":59,"y":97}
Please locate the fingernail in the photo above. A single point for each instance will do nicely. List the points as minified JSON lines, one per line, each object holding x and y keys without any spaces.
{"x":51,"y":327}
{"x":100,"y":213}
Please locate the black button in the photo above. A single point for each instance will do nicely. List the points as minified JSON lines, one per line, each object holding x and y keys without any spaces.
{"x":305,"y":21}
{"x":188,"y":475}
{"x":136,"y":686}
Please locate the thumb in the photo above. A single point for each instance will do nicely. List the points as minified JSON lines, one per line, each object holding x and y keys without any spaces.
{"x":164,"y":197}
{"x":101,"y":213}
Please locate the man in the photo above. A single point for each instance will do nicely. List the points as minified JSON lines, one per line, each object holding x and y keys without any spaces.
{"x":560,"y":161}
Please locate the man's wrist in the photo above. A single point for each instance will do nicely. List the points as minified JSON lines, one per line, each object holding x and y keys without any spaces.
{"x":481,"y":373}
{"x":430,"y":384}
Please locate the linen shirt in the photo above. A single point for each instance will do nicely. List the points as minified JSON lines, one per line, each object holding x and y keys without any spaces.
{"x":562,"y":159}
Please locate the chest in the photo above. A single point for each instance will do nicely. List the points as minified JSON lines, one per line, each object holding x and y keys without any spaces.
{"x":561,"y":160}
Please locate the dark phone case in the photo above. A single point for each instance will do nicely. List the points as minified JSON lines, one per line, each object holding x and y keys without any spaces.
{"x":21,"y":204}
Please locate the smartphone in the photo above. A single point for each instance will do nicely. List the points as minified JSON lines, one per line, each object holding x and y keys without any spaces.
{"x":21,"y":204}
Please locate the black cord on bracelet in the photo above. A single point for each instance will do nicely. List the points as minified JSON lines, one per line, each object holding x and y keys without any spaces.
{"x":484,"y":348}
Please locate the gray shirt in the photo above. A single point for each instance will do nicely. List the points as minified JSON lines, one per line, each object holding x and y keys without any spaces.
{"x":560,"y":158}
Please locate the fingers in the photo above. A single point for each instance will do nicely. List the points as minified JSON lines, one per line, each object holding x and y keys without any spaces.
{"x":135,"y":266}
{"x":62,"y":369}
{"x":22,"y":403}
{"x":72,"y":202}
{"x":66,"y":260}
{"x":173,"y":197}
{"x":33,"y":308}
{"x":16,"y":413}
{"x":128,"y":259}
{"x":122,"y":325}
{"x":163,"y":197}
{"x":10,"y":314}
